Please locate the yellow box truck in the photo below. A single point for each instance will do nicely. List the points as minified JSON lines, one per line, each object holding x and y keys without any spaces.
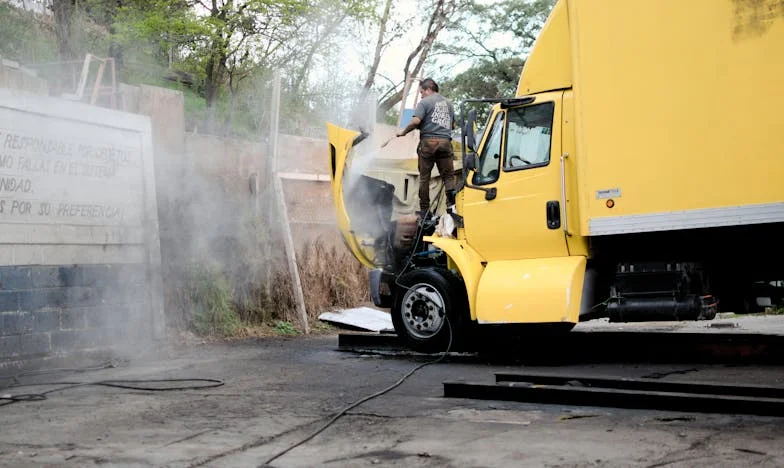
{"x":638,"y":173}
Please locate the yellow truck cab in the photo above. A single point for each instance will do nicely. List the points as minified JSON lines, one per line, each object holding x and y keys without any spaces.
{"x":636,"y":175}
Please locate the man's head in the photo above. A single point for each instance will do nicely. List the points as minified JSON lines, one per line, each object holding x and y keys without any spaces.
{"x":427,"y":87}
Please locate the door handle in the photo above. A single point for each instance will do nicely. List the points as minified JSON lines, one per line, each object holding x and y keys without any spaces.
{"x":553,"y":214}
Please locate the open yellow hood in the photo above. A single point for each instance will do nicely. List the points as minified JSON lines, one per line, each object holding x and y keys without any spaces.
{"x":374,"y":186}
{"x":362,"y":204}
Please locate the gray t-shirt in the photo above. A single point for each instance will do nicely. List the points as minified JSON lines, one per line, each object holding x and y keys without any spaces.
{"x":437,"y":115}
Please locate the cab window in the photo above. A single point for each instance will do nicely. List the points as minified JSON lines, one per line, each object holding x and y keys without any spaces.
{"x":528,"y":136}
{"x":490,"y":157}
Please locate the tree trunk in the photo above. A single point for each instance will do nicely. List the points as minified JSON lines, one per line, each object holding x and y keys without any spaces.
{"x":438,"y":20}
{"x":382,"y":31}
{"x":214,"y":71}
{"x":216,"y":64}
{"x":329,"y":29}
{"x":210,"y":93}
{"x":63,"y":12}
{"x":230,"y":118}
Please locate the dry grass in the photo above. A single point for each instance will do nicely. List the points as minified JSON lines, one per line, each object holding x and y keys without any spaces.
{"x":223,"y":303}
{"x":229,"y":276}
{"x":331,"y":279}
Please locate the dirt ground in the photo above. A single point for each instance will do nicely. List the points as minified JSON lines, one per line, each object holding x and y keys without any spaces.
{"x":279,"y":391}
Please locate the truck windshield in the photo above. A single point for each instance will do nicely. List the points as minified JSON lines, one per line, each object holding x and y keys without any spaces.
{"x":490,"y":157}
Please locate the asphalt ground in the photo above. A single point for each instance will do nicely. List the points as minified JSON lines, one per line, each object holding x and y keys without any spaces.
{"x":277,"y":392}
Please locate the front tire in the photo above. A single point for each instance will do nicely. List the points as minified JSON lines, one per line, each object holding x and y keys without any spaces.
{"x":430,"y":312}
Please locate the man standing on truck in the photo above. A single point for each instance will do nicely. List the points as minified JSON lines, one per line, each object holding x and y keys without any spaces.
{"x":434,"y":116}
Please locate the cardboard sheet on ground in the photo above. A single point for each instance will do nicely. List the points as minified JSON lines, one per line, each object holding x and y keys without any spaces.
{"x":361,"y":318}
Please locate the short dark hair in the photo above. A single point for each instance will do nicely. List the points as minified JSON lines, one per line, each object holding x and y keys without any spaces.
{"x":428,"y":83}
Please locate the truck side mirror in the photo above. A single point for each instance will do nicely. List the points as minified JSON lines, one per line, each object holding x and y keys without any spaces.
{"x":468,"y":131}
{"x":469,"y":142}
{"x":470,"y":162}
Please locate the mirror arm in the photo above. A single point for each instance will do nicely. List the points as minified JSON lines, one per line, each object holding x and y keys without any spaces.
{"x":490,"y":193}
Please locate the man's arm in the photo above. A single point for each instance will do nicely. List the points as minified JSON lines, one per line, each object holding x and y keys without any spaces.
{"x":415,"y":121}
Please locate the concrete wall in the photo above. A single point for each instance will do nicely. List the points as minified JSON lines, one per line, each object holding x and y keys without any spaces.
{"x":79,"y":244}
{"x":14,"y":76}
{"x":228,"y":159}
{"x":303,"y":165}
{"x":311,"y":212}
{"x":303,"y":155}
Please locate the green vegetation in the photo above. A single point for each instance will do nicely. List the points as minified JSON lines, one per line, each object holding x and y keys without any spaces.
{"x":22,"y":37}
{"x":211,"y":298}
{"x":221,"y":54}
{"x":213,"y":307}
{"x":285,"y":328}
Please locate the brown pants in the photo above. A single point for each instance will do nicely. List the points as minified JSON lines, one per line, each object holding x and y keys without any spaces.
{"x":438,"y":152}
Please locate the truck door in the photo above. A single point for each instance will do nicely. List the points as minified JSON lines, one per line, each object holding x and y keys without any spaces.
{"x":520,"y":158}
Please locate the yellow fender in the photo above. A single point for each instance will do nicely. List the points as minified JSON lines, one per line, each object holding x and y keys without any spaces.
{"x":536,"y":290}
{"x":467,"y":261}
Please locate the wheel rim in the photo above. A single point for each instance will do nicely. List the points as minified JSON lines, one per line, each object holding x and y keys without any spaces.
{"x":423,"y":311}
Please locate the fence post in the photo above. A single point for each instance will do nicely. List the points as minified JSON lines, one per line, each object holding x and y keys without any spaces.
{"x":280,"y":202}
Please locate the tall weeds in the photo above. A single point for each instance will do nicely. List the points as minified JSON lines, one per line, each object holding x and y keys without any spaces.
{"x":331,"y":279}
{"x":211,"y":297}
{"x":222,"y":302}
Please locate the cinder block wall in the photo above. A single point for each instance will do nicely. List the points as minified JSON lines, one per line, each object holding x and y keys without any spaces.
{"x":50,"y":311}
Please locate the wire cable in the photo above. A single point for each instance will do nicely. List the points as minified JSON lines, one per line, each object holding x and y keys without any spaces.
{"x":106,"y":365}
{"x":363,"y":400}
{"x":127,"y":384}
{"x":437,"y":203}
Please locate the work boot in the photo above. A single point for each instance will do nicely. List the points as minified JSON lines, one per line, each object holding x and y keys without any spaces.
{"x":450,"y":197}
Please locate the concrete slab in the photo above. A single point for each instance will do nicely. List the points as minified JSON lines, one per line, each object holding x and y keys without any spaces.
{"x":278,"y":392}
{"x":761,"y":324}
{"x":360,"y":318}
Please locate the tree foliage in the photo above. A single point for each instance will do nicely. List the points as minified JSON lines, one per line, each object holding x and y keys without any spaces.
{"x":488,"y":40}
{"x":439,"y":15}
{"x":225,"y":49}
{"x":486,"y":79}
{"x":495,"y":70}
{"x":221,"y":43}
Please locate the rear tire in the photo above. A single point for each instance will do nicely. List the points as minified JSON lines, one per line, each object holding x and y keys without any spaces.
{"x":430,"y":313}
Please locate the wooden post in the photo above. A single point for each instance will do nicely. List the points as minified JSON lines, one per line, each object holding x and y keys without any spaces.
{"x":98,"y":82}
{"x":406,"y":88}
{"x":291,"y":254}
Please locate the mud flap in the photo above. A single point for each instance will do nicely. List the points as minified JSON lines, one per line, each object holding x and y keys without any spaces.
{"x":541,"y":290}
